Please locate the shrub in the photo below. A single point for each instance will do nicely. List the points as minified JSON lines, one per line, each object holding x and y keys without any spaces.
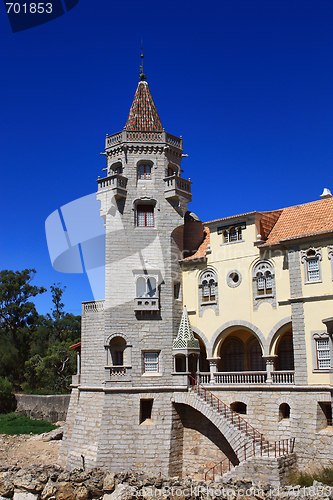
{"x":13,"y":424}
{"x":7,"y":398}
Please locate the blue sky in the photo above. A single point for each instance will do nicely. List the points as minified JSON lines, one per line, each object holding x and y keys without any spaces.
{"x":247,"y":83}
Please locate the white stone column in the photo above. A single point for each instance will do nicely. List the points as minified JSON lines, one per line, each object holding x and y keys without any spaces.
{"x":212,"y":368}
{"x":269,"y":367}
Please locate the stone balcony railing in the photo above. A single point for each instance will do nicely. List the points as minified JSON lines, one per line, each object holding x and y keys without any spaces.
{"x":130,"y":136}
{"x":176,"y":187}
{"x":146,"y":304}
{"x":240,"y":377}
{"x":117,"y":183}
{"x":248,"y":377}
{"x":92,"y":306}
{"x":118,"y":373}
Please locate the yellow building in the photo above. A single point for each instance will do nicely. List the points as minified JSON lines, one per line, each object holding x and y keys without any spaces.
{"x":259,"y":294}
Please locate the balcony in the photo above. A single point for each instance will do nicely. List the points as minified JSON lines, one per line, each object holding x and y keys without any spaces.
{"x":117,"y":183}
{"x":146,"y":304}
{"x":176,"y":188}
{"x":118,"y":373}
{"x":249,"y":377}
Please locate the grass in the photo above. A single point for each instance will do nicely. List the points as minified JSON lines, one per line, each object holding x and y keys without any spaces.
{"x":12,"y":424}
{"x":324,"y":475}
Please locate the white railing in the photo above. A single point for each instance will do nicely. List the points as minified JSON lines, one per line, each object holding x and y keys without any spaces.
{"x":146,"y":304}
{"x":114,"y":181}
{"x":204,"y":378}
{"x":283,"y":377}
{"x":240,"y":377}
{"x":175,"y":182}
{"x":93,"y":306}
{"x":118,"y":370}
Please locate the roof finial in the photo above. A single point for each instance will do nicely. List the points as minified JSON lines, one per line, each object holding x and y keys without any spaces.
{"x":142,"y":75}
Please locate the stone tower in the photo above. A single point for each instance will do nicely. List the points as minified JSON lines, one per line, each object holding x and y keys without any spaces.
{"x":121,"y":414}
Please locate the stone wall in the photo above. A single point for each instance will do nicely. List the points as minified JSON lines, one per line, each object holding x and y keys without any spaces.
{"x":51,"y":408}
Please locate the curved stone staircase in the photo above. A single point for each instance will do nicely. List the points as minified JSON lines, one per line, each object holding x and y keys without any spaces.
{"x":253,"y":452}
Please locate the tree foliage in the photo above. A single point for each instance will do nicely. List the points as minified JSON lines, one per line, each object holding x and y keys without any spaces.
{"x":35,"y":349}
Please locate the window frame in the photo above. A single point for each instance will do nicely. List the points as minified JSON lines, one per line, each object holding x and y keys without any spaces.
{"x":309,"y":256}
{"x":263,"y":270}
{"x":146,"y":363}
{"x":317,"y":336}
{"x":145,"y":212}
{"x":208,"y":282}
{"x":147,"y":176}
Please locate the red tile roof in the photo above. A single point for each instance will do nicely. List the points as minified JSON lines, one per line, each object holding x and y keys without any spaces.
{"x":143,"y":115}
{"x":300,"y":221}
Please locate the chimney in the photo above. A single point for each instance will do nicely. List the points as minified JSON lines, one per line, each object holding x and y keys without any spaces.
{"x":326,"y":194}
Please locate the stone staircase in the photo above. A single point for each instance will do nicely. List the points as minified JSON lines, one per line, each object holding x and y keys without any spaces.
{"x":255,"y":456}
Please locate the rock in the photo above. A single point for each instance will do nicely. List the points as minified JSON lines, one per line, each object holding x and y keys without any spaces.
{"x":122,"y":492}
{"x":23,"y":480}
{"x":49,"y":490}
{"x":81,"y":493}
{"x":78,"y":476}
{"x":109,"y":482}
{"x":24,"y":495}
{"x":64,"y":476}
{"x":6,"y":484}
{"x":65,"y":491}
{"x":54,"y":435}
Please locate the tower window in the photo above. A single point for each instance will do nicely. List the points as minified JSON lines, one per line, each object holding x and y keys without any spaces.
{"x":146,"y":406}
{"x":144,"y":172}
{"x":146,"y":286}
{"x":145,"y":215}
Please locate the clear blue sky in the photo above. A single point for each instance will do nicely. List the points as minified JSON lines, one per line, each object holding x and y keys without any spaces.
{"x":247,"y":83}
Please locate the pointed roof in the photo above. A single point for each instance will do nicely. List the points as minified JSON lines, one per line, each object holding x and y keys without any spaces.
{"x":185,"y":338}
{"x":143,"y":115}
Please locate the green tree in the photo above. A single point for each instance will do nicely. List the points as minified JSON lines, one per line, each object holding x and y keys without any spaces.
{"x":18,"y":319}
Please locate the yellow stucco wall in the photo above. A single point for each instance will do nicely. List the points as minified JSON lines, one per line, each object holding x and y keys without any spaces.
{"x":236,"y":304}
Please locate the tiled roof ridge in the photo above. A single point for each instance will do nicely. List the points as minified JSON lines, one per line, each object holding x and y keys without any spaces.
{"x":301,"y":221}
{"x":143,"y":115}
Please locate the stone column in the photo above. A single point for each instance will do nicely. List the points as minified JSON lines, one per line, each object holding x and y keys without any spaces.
{"x":78,"y":362}
{"x":269,"y":367}
{"x":212,"y":368}
{"x":297,"y":315}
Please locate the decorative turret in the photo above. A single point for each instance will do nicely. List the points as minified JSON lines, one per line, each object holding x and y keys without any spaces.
{"x":185,"y":339}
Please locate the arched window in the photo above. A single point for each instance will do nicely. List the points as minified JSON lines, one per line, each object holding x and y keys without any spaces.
{"x":116,"y":168}
{"x":284,"y":411}
{"x":234,"y":357}
{"x":144,"y":172}
{"x":257,"y":361}
{"x":285,"y":352}
{"x":233,"y":233}
{"x":146,"y":286}
{"x":311,"y":259}
{"x":239,"y":407}
{"x":208,"y":286}
{"x":117,"y":351}
{"x":263,"y":283}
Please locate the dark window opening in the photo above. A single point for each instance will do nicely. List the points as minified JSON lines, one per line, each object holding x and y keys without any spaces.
{"x":176,"y":289}
{"x":146,"y":406}
{"x":239,"y":407}
{"x":327,"y":411}
{"x":285,"y":354}
{"x":284,"y":411}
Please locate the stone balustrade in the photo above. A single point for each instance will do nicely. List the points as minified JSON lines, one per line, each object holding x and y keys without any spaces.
{"x":140,"y":136}
{"x":92,"y":306}
{"x":146,"y":304}
{"x":240,"y":377}
{"x":283,"y":377}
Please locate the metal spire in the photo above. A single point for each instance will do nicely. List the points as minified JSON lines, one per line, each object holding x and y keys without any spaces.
{"x":142,"y":75}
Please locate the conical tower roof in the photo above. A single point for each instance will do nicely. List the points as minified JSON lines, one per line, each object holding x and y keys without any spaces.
{"x":143,"y":115}
{"x":185,"y":338}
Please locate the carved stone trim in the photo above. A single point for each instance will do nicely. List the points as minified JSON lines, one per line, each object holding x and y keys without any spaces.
{"x":234,"y":278}
{"x":317,"y":254}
